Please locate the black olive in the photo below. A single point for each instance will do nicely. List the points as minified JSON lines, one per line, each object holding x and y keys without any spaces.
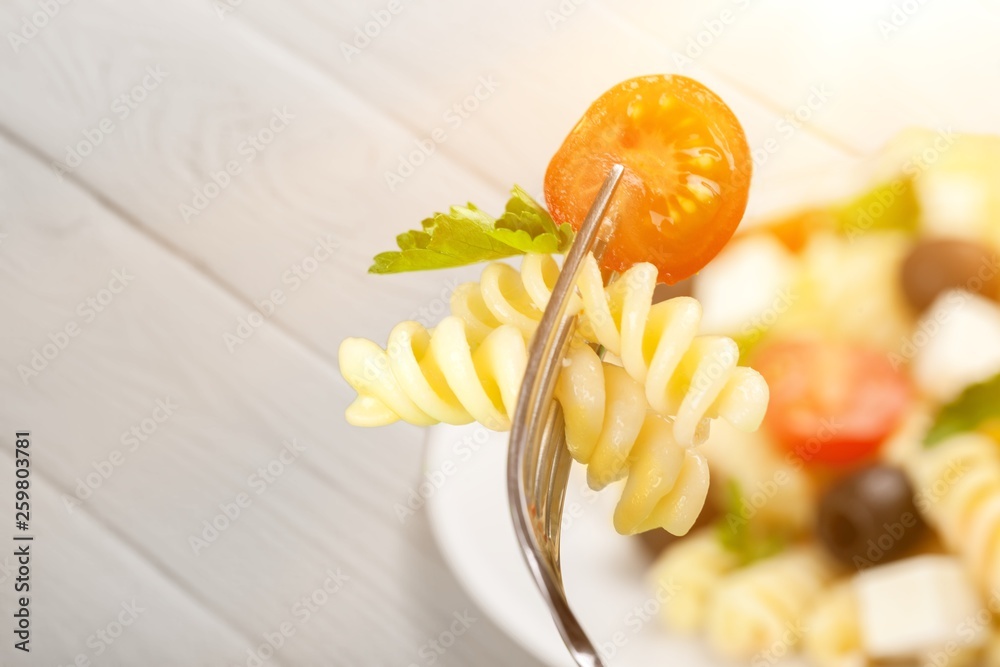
{"x":936,"y":265}
{"x":869,"y":517}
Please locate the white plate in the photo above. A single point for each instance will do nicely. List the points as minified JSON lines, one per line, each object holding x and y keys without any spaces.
{"x":605,"y":573}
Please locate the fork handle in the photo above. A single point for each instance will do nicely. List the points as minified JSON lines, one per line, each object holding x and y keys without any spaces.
{"x":533,"y":419}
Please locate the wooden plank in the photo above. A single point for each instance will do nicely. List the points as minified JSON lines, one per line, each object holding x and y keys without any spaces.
{"x":212,"y":104}
{"x":887,"y":65}
{"x":548,"y":62}
{"x":91,"y":595}
{"x":329,"y":508}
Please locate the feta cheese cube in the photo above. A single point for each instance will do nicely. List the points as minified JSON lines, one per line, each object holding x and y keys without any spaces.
{"x":918,"y":605}
{"x":957,"y":343}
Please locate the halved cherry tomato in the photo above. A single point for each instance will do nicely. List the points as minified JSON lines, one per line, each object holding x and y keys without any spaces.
{"x":687,"y":173}
{"x":831,"y":403}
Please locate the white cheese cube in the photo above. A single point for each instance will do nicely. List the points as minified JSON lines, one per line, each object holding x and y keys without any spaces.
{"x":957,"y":343}
{"x":750,"y":277}
{"x":918,"y":605}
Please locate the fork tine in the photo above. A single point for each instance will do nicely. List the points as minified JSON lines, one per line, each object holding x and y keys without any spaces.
{"x":537,"y":462}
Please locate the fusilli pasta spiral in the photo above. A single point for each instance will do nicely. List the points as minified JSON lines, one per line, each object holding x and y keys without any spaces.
{"x":760,"y":608}
{"x":611,"y":429}
{"x":694,"y":566}
{"x":833,"y":632}
{"x":426,"y":377}
{"x":689,"y":377}
{"x":470,"y":367}
{"x":958,"y":491}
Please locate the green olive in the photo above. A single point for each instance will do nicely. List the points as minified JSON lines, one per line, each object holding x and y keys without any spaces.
{"x":869,"y":517}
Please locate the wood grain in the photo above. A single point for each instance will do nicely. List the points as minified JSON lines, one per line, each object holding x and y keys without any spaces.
{"x":332,"y":508}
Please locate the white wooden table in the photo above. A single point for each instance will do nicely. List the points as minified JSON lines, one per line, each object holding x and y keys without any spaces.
{"x":190,"y":194}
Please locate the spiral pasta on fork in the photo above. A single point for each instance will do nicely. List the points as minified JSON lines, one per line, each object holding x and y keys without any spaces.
{"x":634,"y":421}
{"x":688,"y":377}
{"x":425,"y":377}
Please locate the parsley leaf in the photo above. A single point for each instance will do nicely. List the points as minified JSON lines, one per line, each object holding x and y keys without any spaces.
{"x":978,"y":407}
{"x":466,"y":235}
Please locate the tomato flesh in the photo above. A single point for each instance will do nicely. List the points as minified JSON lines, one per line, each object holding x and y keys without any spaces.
{"x":687,"y":173}
{"x":832,"y":403}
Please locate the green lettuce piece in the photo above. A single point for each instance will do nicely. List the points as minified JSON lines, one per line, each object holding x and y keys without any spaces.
{"x":740,"y":536}
{"x":888,"y":206}
{"x":466,"y":235}
{"x":978,"y":406}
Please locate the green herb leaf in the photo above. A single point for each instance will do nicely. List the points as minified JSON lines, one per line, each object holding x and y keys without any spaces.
{"x":888,"y":206}
{"x":748,"y":541}
{"x":978,"y":407}
{"x":467,"y":235}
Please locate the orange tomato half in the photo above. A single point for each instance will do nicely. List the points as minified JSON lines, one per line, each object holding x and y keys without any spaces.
{"x":687,"y":173}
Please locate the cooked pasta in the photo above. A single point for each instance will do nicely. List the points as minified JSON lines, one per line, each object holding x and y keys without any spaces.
{"x":425,"y":377}
{"x":689,"y":377}
{"x":958,"y":490}
{"x":504,"y":295}
{"x":635,"y":421}
{"x":692,"y":568}
{"x":610,"y":428}
{"x":759,"y":608}
{"x":833,"y":633}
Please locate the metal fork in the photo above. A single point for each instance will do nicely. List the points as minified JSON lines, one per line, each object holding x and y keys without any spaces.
{"x":538,"y":462}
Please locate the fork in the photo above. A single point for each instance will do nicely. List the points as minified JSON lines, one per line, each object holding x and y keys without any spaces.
{"x":538,"y":462}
